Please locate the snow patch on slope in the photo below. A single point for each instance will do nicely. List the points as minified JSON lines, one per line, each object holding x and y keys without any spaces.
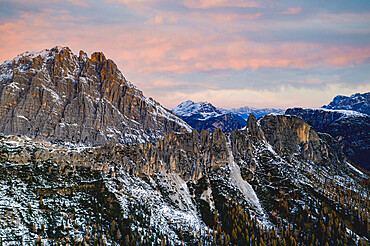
{"x":165,"y":216}
{"x":207,"y":196}
{"x":355,"y":169}
{"x":344,"y":113}
{"x":244,"y":186}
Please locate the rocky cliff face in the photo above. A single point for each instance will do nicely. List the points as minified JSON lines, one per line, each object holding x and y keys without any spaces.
{"x":188,"y":187}
{"x":58,"y":96}
{"x":289,"y":135}
{"x":349,"y":128}
{"x":193,"y":156}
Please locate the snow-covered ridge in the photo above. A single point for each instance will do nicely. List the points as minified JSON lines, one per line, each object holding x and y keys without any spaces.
{"x":189,"y":108}
{"x":161,"y":111}
{"x":207,"y":110}
{"x":244,"y":112}
{"x":356,"y":102}
{"x":45,"y":53}
{"x":345,"y":113}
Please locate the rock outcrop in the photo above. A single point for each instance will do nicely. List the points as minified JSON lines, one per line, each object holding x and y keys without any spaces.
{"x":277,"y":167}
{"x":58,"y":96}
{"x":194,"y":155}
{"x":351,"y":129}
{"x":289,"y":135}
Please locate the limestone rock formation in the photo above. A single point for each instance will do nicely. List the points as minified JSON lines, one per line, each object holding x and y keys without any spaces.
{"x":275,"y":182}
{"x":194,"y":155}
{"x":58,"y":96}
{"x":351,"y":129}
{"x":178,"y":189}
{"x":289,"y":135}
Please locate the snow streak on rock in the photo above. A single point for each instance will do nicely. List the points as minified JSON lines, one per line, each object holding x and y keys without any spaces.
{"x":167,"y":212}
{"x":244,"y":186}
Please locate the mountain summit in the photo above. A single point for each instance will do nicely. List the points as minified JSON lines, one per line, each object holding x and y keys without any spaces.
{"x":356,"y":102}
{"x":56,"y":95}
{"x":205,"y":116}
{"x":189,"y":108}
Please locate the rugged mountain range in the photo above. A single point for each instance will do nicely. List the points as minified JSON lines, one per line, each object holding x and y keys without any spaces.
{"x":276,"y":182}
{"x":56,"y":95}
{"x":357,"y":102}
{"x":244,"y":112}
{"x":205,"y":116}
{"x":350,"y":128}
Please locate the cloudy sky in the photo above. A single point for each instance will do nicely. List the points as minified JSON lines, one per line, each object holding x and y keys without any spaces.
{"x":231,"y":53}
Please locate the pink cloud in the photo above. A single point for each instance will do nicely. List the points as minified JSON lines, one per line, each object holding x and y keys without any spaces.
{"x":82,"y":3}
{"x":291,"y":11}
{"x":162,"y":19}
{"x":203,"y":4}
{"x":232,"y":16}
{"x":344,"y":56}
{"x":148,"y":49}
{"x":132,"y":2}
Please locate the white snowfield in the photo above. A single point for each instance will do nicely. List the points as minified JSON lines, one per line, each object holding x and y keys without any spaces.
{"x":244,"y":186}
{"x":164,"y":216}
{"x":189,"y":108}
{"x":345,"y":113}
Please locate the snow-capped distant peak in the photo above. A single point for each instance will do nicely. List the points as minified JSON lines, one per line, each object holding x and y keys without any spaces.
{"x":356,"y":102}
{"x":185,"y":104}
{"x":189,"y":108}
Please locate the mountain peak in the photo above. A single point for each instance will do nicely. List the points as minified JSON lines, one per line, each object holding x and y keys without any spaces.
{"x":44,"y":53}
{"x":356,"y":102}
{"x":56,"y":95}
{"x":189,"y":108}
{"x":98,"y":57}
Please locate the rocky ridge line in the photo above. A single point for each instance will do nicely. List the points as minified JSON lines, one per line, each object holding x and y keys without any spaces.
{"x":55,"y":95}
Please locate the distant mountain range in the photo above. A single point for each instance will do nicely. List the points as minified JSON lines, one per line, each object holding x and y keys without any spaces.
{"x":205,"y":116}
{"x":244,"y":112}
{"x":357,"y":102}
{"x":347,"y":120}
